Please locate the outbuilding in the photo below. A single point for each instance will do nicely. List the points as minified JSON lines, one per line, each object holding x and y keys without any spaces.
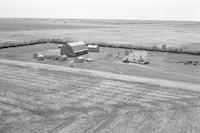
{"x":74,"y":49}
{"x":93,"y":48}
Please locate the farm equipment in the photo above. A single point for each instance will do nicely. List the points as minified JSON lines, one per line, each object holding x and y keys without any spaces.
{"x":79,"y":59}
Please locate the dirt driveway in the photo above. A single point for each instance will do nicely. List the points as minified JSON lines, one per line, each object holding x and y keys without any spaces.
{"x":41,"y":98}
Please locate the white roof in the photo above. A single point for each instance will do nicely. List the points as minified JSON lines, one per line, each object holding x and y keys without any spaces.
{"x":76,"y":43}
{"x":92,"y":46}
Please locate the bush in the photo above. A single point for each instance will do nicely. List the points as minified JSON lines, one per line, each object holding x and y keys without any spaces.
{"x":164,"y":47}
{"x":155,"y":48}
{"x":8,"y":44}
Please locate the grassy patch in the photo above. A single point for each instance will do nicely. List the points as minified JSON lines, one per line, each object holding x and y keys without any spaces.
{"x":164,"y":48}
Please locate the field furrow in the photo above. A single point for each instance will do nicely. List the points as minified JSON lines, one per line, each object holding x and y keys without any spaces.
{"x":46,"y":100}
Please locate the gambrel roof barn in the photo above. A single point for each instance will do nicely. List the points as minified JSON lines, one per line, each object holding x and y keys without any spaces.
{"x":74,"y":49}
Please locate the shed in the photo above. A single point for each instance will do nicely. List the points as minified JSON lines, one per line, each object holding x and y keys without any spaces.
{"x":93,"y":48}
{"x":141,"y":57}
{"x":74,"y":49}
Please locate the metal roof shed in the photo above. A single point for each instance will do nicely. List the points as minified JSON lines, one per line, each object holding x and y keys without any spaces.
{"x":93,"y":48}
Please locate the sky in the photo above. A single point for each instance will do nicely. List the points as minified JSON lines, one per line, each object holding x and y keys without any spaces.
{"x":187,"y":10}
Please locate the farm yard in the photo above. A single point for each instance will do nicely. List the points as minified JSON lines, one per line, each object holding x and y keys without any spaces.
{"x":105,"y":95}
{"x":162,"y":65}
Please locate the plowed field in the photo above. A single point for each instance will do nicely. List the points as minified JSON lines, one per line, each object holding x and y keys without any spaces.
{"x":41,"y":98}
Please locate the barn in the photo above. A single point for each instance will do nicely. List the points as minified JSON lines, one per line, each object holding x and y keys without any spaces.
{"x":74,"y":49}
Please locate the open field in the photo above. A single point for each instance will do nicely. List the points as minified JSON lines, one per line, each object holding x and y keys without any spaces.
{"x":39,"y":98}
{"x":184,"y":35}
{"x":106,"y":95}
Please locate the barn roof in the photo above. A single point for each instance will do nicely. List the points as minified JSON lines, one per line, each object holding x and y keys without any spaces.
{"x":72,"y":44}
{"x":78,"y":46}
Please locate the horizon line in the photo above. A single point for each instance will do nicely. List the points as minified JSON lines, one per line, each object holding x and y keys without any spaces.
{"x":99,"y":19}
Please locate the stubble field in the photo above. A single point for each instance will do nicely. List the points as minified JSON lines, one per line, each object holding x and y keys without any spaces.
{"x":45,"y":98}
{"x":183,"y":35}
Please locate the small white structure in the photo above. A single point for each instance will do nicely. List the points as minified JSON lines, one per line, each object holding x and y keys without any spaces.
{"x":93,"y":48}
{"x":79,"y":59}
{"x":89,"y":60}
{"x":40,"y":57}
{"x":62,"y":57}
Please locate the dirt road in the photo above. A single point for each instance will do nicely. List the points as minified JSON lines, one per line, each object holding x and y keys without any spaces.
{"x":41,"y":98}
